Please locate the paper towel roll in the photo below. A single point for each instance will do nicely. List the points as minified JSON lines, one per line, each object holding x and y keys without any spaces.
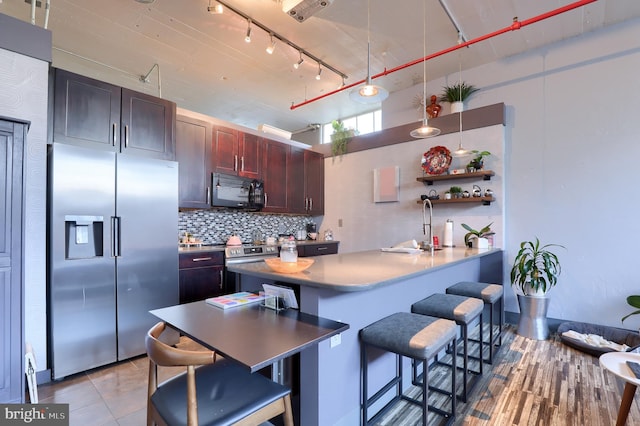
{"x":447,"y":240}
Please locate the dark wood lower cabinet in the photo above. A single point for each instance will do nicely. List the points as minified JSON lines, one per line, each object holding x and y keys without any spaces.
{"x":201,"y":275}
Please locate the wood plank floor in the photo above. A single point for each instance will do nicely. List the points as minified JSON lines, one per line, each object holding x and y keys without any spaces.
{"x":531,"y":383}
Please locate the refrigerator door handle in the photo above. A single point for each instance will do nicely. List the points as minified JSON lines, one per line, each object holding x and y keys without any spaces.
{"x":115,"y":129}
{"x":126,"y":136}
{"x":115,"y":236}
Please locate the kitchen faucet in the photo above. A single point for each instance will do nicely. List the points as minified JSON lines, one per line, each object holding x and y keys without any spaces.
{"x":425,"y":226}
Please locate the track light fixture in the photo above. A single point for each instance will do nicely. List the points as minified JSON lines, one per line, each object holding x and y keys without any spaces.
{"x":215,"y":10}
{"x":272,"y":45}
{"x":247,"y":38}
{"x":219,"y":4}
{"x":297,"y":64}
{"x":319,"y":72}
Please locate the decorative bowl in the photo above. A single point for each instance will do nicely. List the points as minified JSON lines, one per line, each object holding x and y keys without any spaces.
{"x":288,"y":267}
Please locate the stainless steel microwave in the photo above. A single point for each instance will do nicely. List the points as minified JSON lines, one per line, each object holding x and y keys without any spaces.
{"x":236,"y":192}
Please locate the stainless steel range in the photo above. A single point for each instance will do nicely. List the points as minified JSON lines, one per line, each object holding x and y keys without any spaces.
{"x":247,"y":253}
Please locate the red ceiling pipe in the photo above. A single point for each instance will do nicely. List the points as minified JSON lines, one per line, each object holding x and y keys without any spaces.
{"x":516,"y":25}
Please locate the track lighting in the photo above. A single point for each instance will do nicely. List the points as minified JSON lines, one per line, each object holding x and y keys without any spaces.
{"x":215,"y":10}
{"x":319,"y":72}
{"x":272,"y":46}
{"x":247,"y":38}
{"x":297,"y":64}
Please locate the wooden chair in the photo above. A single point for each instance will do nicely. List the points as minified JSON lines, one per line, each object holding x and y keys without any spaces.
{"x":219,"y":392}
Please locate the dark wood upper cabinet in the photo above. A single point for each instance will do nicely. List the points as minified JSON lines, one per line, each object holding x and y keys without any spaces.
{"x":194,"y":140}
{"x":276,"y":157}
{"x":250,"y":159}
{"x":225,"y":142}
{"x":306,"y":182}
{"x":314,"y":182}
{"x":237,"y":153}
{"x":147,"y":125}
{"x":86,"y":111}
{"x":96,"y":114}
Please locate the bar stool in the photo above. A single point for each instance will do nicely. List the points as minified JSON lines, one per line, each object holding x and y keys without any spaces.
{"x":491,"y":294}
{"x":415,"y":336}
{"x":464,"y":311}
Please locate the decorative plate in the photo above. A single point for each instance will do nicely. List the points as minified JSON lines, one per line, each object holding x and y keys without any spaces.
{"x":437,"y":160}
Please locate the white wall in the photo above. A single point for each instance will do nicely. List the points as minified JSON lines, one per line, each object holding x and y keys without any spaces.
{"x":570,"y":176}
{"x":23,"y":95}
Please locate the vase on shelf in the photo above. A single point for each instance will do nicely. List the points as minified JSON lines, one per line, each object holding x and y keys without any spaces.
{"x":457,"y":107}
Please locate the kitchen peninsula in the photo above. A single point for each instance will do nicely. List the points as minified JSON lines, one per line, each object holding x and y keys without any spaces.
{"x":359,"y":288}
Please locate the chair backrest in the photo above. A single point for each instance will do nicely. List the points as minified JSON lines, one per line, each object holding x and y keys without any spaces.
{"x":160,"y":353}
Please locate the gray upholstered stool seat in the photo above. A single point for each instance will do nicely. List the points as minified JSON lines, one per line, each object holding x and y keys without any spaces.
{"x":463,"y":310}
{"x":415,"y":336}
{"x":491,"y":295}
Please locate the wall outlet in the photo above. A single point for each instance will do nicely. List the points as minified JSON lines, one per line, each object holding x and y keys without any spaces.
{"x":336,"y":340}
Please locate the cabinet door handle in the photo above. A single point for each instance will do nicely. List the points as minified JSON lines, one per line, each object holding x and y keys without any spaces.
{"x":114,"y":127}
{"x":201,"y":259}
{"x":242,"y":163}
{"x":266,"y":199}
{"x":126,"y":136}
{"x":306,"y":204}
{"x":221,"y":280}
{"x":310,"y":204}
{"x":322,"y":248}
{"x":208,"y":195}
{"x":235,"y":163}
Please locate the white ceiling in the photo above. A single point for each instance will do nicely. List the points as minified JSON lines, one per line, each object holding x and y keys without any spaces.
{"x":206,"y":66}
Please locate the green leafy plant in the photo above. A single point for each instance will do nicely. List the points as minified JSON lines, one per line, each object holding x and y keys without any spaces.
{"x":340,"y":137}
{"x":455,"y":190}
{"x":535,"y":267}
{"x":483,"y":233}
{"x":457,"y":92}
{"x":478,"y":160}
{"x":634,"y":302}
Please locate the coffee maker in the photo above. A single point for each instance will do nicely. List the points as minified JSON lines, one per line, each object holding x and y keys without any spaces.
{"x":312,"y":231}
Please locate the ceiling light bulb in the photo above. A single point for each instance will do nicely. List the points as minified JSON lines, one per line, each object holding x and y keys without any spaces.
{"x":215,"y":10}
{"x":297,"y":64}
{"x":319,"y":72}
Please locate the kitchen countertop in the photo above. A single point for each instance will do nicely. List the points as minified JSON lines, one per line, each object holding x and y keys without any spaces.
{"x":205,"y":248}
{"x":364,"y":270}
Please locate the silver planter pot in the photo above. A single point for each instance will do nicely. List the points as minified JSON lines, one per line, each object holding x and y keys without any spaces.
{"x":533,"y":317}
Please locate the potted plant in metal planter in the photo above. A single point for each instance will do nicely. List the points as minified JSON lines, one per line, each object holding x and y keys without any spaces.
{"x":535,"y":270}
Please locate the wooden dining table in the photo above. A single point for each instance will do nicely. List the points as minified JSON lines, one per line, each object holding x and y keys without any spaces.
{"x":253,"y":335}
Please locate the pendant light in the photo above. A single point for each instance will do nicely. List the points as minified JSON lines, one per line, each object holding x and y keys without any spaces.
{"x":369,"y":93}
{"x":460,"y":152}
{"x":424,"y":131}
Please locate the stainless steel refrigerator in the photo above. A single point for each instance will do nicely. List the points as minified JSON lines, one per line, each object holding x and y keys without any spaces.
{"x":113,"y":253}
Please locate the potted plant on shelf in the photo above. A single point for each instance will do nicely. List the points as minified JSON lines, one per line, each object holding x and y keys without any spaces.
{"x":535,"y":271}
{"x":456,"y":94}
{"x":340,"y":137}
{"x":477,"y":163}
{"x":455,"y":191}
{"x":477,"y":239}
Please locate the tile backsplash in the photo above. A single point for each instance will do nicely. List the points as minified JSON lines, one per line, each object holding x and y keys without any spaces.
{"x":215,"y":226}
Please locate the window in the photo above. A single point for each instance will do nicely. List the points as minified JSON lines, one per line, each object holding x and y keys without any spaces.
{"x":364,"y":123}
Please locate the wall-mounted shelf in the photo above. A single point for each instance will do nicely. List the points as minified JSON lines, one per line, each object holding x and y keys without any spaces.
{"x":485,"y":201}
{"x":484,"y":174}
